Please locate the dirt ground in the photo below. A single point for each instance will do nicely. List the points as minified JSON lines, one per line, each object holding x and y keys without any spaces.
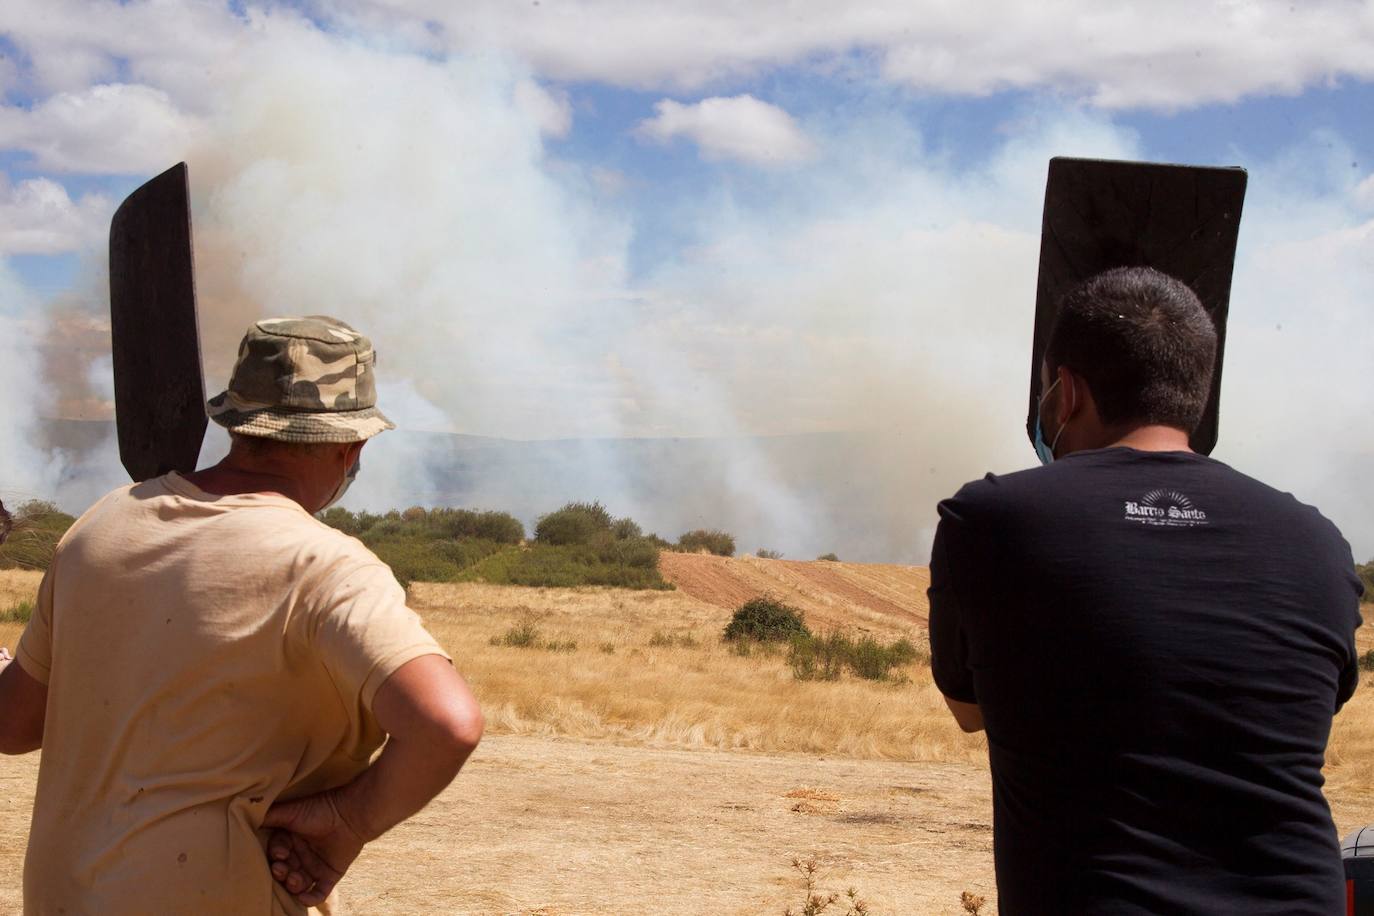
{"x":556,"y":826}
{"x":605,"y":785}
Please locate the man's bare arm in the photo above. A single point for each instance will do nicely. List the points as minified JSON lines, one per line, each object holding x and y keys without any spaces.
{"x":23,"y":705}
{"x":968,"y":715}
{"x":433,"y":723}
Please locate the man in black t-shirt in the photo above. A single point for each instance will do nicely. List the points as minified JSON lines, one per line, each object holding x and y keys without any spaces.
{"x":1155,"y":643}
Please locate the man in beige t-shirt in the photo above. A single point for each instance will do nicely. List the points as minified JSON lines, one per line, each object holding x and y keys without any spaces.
{"x":209,"y":669}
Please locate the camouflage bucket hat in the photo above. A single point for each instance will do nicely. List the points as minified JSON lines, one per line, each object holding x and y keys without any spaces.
{"x":302,"y":380}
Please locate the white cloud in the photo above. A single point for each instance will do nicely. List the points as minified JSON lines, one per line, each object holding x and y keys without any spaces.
{"x":185,"y":47}
{"x":110,"y":128}
{"x":37,"y":216}
{"x":740,"y":127}
{"x":1161,"y":54}
{"x":1164,"y":54}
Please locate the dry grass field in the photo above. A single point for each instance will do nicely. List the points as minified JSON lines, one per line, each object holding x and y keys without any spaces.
{"x":650,"y":768}
{"x":16,"y":585}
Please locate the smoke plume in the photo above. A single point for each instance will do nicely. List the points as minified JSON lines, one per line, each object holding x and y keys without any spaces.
{"x":832,"y":347}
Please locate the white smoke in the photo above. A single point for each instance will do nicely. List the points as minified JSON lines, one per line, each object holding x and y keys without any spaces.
{"x":28,"y":473}
{"x":877,"y":288}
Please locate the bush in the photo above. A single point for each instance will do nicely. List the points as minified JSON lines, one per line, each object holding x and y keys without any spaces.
{"x":1366,"y":573}
{"x":431,"y":545}
{"x":575,"y":523}
{"x":435,"y":524}
{"x":874,"y":661}
{"x":18,"y":613}
{"x":817,"y":658}
{"x":418,"y":559}
{"x":766,"y":620}
{"x":709,"y":540}
{"x":37,"y":526}
{"x":620,"y":564}
{"x":828,"y":557}
{"x":1367,"y":660}
{"x":624,"y":529}
{"x":525,"y":635}
{"x":823,"y":658}
{"x":579,"y":544}
{"x":765,"y":554}
{"x":662,"y":640}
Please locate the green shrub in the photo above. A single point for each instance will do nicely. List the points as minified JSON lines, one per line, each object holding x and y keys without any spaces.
{"x":662,"y":640}
{"x":436,"y":524}
{"x":431,"y":545}
{"x":421,"y":559}
{"x":766,"y":620}
{"x":579,"y":544}
{"x":37,"y":527}
{"x":525,"y":635}
{"x":817,"y":658}
{"x":619,"y":564}
{"x":499,"y":527}
{"x":575,"y":523}
{"x":1367,"y":660}
{"x":874,"y":661}
{"x":828,"y":557}
{"x":1366,"y":573}
{"x":623,"y":529}
{"x":18,"y":613}
{"x":823,"y":658}
{"x":709,"y":540}
{"x":766,"y":554}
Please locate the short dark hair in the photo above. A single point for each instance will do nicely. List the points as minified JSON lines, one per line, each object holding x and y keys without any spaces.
{"x":1143,"y":343}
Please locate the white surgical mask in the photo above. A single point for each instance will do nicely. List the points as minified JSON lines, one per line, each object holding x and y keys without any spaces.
{"x":349,"y":476}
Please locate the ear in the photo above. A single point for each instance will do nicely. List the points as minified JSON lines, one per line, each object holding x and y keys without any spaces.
{"x":353,"y":450}
{"x":1073,"y":392}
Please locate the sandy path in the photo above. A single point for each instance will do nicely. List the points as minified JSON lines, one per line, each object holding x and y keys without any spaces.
{"x":555,"y":826}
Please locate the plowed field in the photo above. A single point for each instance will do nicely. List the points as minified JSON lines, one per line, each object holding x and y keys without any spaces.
{"x":883,"y":599}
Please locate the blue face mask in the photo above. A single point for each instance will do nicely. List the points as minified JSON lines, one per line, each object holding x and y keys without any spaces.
{"x":1045,"y":452}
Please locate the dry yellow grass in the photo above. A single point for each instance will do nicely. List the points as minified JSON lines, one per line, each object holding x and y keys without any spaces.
{"x":704,"y":695}
{"x":1350,"y":752}
{"x":544,"y":824}
{"x":696,"y":692}
{"x":16,"y":585}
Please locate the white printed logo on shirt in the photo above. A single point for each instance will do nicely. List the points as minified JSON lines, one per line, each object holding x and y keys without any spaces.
{"x":1165,"y":509}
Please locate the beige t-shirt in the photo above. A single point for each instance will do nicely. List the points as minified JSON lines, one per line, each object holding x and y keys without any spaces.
{"x":205,"y":656}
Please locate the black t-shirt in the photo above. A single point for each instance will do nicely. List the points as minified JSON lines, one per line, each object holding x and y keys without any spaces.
{"x":1158,"y":644}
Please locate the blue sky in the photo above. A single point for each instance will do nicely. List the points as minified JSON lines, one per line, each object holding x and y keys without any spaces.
{"x":606,"y":218}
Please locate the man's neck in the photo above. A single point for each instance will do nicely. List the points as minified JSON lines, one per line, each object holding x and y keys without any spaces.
{"x":230,"y":478}
{"x":1152,"y":438}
